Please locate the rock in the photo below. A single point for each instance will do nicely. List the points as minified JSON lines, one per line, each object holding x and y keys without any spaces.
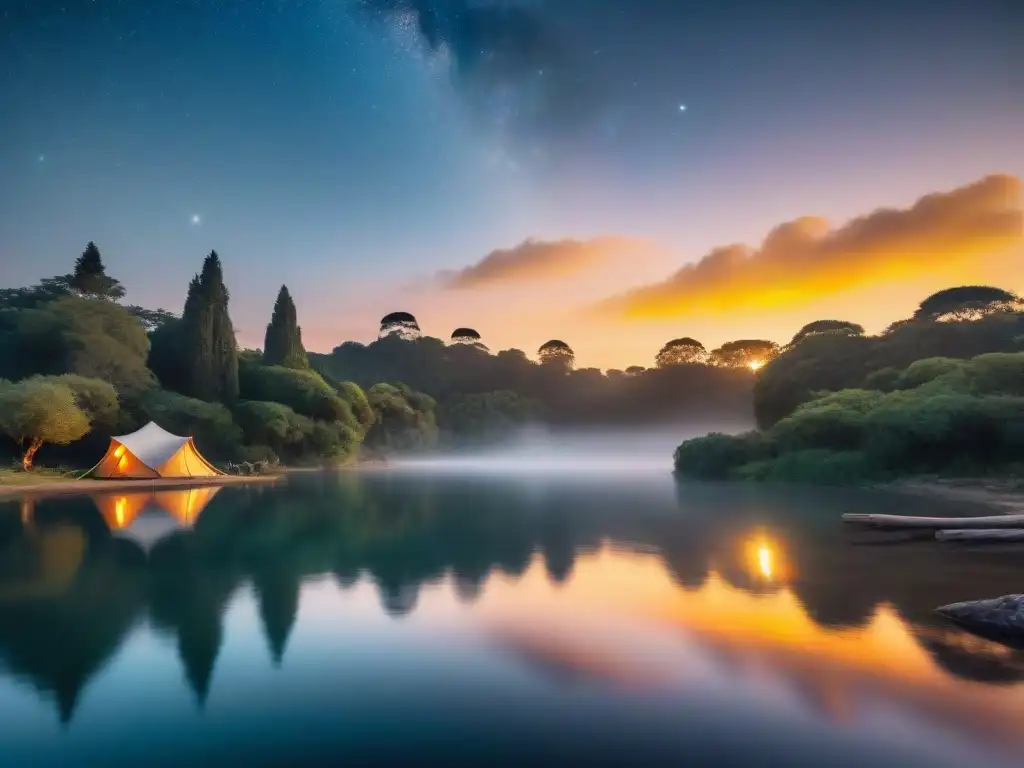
{"x":1000,"y":617}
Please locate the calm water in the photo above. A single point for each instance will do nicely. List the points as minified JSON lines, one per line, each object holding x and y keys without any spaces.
{"x":503,"y":620}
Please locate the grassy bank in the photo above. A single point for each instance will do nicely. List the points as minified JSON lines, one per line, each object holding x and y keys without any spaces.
{"x":16,"y":478}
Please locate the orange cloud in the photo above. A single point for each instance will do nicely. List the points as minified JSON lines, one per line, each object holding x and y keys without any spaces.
{"x":805,"y":260}
{"x":536,"y":260}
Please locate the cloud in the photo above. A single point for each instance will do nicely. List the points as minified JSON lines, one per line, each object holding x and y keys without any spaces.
{"x":539,"y":260}
{"x":805,"y":260}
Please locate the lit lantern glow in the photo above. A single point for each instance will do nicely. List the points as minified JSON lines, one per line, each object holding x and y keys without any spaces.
{"x":119,"y":506}
{"x":119,"y":452}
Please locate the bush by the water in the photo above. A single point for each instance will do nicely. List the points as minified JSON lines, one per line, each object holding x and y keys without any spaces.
{"x":941,"y":416}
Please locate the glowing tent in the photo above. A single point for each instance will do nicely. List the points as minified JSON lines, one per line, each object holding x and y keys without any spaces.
{"x":152,"y":453}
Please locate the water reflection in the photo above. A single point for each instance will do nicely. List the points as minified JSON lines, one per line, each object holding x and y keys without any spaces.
{"x":617,"y":585}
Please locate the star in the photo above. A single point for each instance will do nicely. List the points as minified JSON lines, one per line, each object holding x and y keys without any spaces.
{"x":42,"y":158}
{"x":196,"y":220}
{"x":682,"y":107}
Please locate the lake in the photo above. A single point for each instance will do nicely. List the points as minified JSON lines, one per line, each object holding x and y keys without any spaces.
{"x":472,"y":618}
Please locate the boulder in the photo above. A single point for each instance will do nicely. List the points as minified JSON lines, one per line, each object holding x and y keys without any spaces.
{"x":1000,"y":617}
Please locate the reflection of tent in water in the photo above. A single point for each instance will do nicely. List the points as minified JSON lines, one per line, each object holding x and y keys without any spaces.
{"x":146,"y":517}
{"x":152,"y":452}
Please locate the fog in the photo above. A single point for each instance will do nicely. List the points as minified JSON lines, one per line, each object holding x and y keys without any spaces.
{"x":537,"y":450}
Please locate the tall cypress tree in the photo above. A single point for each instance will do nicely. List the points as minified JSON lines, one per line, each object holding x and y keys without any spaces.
{"x":90,"y":276}
{"x":208,"y":342}
{"x":283,"y":343}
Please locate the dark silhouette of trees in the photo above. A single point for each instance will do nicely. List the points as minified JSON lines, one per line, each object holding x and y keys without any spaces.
{"x":965,"y":303}
{"x":465,"y":336}
{"x":831,"y":327}
{"x":90,"y":277}
{"x":283,"y":342}
{"x":400,"y":324}
{"x":557,"y":354}
{"x":744,"y":353}
{"x":680,"y":352}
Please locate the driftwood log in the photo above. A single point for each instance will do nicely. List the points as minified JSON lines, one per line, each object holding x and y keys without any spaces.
{"x":983,"y":534}
{"x":934,"y":523}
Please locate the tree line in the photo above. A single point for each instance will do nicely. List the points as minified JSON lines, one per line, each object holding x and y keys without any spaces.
{"x":939,"y":392}
{"x":77,"y":366}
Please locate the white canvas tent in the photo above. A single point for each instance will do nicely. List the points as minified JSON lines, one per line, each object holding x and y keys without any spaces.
{"x":151,"y":453}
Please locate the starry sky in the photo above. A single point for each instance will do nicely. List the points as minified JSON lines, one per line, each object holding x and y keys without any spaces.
{"x":578,"y":169}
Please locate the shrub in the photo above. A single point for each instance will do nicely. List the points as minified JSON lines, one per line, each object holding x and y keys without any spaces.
{"x":211,"y":424}
{"x":882,"y":380}
{"x":817,"y":466}
{"x":834,"y":421}
{"x":305,"y":392}
{"x":716,"y":456}
{"x":930,"y":369}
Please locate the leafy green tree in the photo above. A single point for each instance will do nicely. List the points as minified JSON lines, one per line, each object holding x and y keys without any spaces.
{"x":283,"y":342}
{"x":95,"y":339}
{"x":827,"y":327}
{"x":680,"y":352}
{"x":276,"y":426}
{"x":40,"y":410}
{"x":97,"y":399}
{"x":90,"y":277}
{"x":745,"y":353}
{"x":404,"y":419}
{"x":305,"y":392}
{"x":207,"y":344}
{"x":966,"y":303}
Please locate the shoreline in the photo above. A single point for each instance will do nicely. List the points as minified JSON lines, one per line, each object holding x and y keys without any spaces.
{"x":73,"y":486}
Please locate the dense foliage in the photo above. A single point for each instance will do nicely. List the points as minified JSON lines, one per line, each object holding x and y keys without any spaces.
{"x":482,"y":396}
{"x":939,"y":415}
{"x":78,"y":367}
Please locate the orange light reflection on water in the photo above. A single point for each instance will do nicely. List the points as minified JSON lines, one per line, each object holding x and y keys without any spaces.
{"x":770,"y":632}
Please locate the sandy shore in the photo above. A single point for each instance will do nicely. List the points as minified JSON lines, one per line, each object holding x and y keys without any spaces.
{"x":1000,"y":496}
{"x":58,"y":488}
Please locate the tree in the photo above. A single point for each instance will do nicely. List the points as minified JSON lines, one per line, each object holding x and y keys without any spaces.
{"x":151,"y":319}
{"x":90,"y":277}
{"x":96,"y":339}
{"x":467,"y":336}
{"x":404,"y":420}
{"x":557,"y":354}
{"x":681,"y":351}
{"x":283,"y":342}
{"x":744,"y":353}
{"x":833,"y":327}
{"x":966,"y":303}
{"x":400,"y":324}
{"x":40,"y":410}
{"x":208,"y":346}
{"x":635,"y":370}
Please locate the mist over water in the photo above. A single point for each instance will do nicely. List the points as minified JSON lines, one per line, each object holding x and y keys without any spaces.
{"x":582,"y":451}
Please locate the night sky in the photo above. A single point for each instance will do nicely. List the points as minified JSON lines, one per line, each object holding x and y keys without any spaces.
{"x":396,"y":154}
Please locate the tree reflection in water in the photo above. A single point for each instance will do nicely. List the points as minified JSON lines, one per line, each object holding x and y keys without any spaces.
{"x":74,"y":580}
